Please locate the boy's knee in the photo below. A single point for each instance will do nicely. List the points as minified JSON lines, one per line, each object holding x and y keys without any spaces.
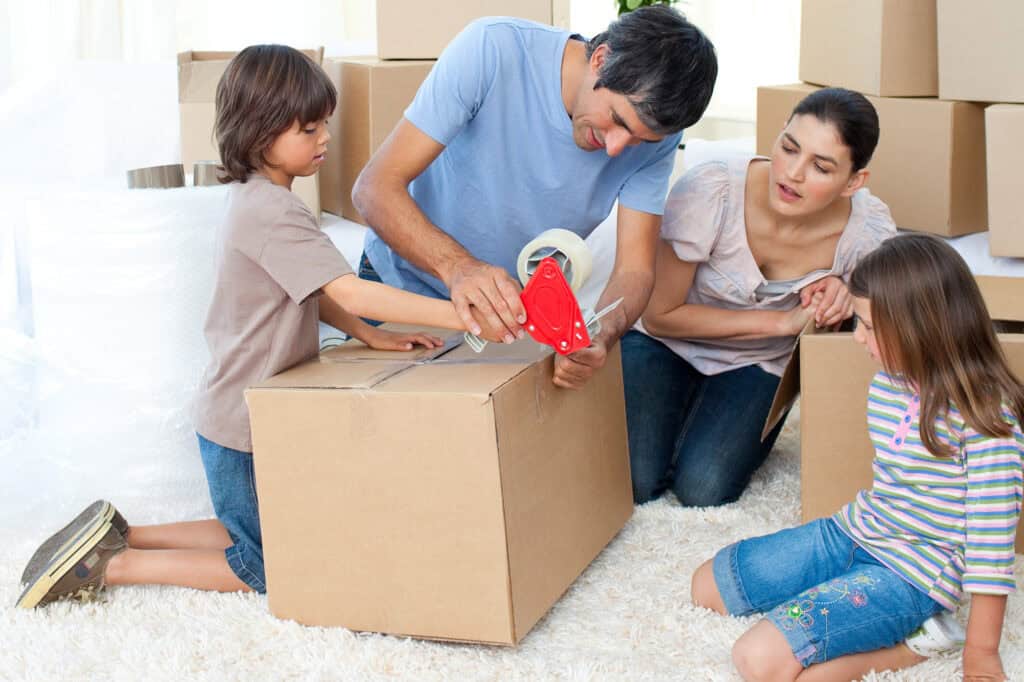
{"x":704,"y":590}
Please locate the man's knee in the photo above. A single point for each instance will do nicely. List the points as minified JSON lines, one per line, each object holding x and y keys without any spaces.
{"x":704,"y":590}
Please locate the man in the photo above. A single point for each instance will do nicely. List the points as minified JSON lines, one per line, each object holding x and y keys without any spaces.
{"x":520,"y":128}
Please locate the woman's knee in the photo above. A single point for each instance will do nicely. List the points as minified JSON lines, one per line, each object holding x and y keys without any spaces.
{"x":704,"y":589}
{"x":713,"y":491}
{"x":762,"y":654}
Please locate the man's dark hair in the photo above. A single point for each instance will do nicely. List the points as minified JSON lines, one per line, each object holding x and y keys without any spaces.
{"x":662,"y":63}
{"x":853,"y":116}
{"x":263,"y":91}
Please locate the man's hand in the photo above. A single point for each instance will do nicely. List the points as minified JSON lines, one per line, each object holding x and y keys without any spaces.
{"x":382,"y":339}
{"x":836,"y":302}
{"x":982,"y":665}
{"x":575,"y":369}
{"x":492,"y":294}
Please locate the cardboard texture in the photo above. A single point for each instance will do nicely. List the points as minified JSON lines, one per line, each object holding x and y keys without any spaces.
{"x":373,"y":98}
{"x":929,"y":166}
{"x":198,"y":75}
{"x":1004,"y":147}
{"x":878,"y":47}
{"x":412,"y":29}
{"x":835,"y":373}
{"x":451,"y":497}
{"x":981,"y":54}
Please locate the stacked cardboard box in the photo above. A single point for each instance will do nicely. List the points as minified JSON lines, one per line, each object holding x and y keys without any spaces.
{"x":438,"y":494}
{"x":374,"y":91}
{"x":198,"y":75}
{"x":929,"y":166}
{"x":981,"y":59}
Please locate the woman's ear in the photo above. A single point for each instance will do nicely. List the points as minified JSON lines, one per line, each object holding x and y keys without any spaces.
{"x":856,"y":181}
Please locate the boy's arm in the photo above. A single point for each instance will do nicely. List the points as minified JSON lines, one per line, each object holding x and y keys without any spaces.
{"x":363,"y":298}
{"x":984,"y":628}
{"x":374,"y":337}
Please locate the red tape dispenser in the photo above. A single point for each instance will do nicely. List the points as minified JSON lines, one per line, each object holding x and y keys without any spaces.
{"x":553,"y":315}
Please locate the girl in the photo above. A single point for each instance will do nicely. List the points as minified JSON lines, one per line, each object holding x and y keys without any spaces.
{"x":944,"y":414}
{"x":747,"y":243}
{"x":274,"y":265}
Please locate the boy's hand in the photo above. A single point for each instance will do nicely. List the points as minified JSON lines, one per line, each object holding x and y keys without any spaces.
{"x":982,"y":665}
{"x":382,"y":339}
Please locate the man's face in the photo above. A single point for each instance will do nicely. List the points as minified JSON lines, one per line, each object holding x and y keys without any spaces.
{"x":602,"y":119}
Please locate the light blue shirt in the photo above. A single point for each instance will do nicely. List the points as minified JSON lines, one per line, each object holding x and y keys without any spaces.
{"x":510,"y":168}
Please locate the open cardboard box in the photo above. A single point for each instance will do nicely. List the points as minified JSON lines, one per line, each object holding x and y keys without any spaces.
{"x":834,"y":375}
{"x":445,"y":495}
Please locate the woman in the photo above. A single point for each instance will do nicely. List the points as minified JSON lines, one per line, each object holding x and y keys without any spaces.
{"x":752,"y":249}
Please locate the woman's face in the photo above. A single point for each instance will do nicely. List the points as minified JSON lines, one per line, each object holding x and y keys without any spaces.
{"x":810,"y":168}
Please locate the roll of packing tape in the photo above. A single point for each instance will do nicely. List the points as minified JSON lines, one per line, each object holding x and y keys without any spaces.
{"x":157,"y":177}
{"x":566,"y":247}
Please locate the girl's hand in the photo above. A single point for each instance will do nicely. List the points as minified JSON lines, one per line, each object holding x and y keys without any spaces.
{"x":982,"y":665}
{"x":836,"y":302}
{"x":382,"y":339}
{"x":793,"y":321}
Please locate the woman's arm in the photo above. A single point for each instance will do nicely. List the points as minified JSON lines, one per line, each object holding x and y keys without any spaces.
{"x":668,"y":315}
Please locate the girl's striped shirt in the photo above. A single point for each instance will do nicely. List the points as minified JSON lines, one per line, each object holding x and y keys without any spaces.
{"x":946,"y":525}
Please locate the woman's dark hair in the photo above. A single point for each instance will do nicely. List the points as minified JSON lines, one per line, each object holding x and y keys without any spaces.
{"x":935,"y":335}
{"x":662,"y":63}
{"x":853,"y":116}
{"x":263,"y":91}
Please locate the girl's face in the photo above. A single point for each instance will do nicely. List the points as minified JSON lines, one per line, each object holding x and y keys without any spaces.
{"x":810,"y":168}
{"x":298,"y":151}
{"x":864,"y":331}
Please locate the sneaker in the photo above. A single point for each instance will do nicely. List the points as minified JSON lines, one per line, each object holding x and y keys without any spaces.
{"x":97,"y":511}
{"x":78,"y":567}
{"x":938,"y":634}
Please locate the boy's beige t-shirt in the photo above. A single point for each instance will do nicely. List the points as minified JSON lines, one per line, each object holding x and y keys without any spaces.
{"x":272,"y":261}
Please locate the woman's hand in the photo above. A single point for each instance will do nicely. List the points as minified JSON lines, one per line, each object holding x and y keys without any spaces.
{"x":382,"y":339}
{"x":836,"y":302}
{"x":982,"y":665}
{"x":792,"y":322}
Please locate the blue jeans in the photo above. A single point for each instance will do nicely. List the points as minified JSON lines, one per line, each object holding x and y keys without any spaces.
{"x":367,"y":272}
{"x":232,"y":483}
{"x":698,"y":435}
{"x":825,"y":593}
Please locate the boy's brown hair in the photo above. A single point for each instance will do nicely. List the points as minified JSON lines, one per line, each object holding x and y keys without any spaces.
{"x":263,"y":91}
{"x":935,"y":335}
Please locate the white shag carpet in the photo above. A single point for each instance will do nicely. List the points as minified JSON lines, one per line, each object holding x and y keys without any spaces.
{"x":626,"y":618}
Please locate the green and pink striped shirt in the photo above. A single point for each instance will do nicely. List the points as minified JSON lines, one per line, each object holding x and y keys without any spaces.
{"x":946,"y":525}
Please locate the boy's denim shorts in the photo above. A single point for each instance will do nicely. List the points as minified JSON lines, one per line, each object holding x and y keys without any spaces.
{"x":827,"y":595}
{"x":232,"y":482}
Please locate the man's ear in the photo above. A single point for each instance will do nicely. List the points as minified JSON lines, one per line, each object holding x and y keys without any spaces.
{"x":856,"y":181}
{"x":597,"y":58}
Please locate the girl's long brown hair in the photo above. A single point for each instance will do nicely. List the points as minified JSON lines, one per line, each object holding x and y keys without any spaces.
{"x":934,"y":334}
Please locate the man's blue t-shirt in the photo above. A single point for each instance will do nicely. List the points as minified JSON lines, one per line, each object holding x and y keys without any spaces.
{"x":510,"y":168}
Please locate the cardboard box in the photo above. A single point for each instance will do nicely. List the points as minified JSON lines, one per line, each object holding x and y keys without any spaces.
{"x":929,"y":166}
{"x":448,"y":496}
{"x":981,"y":54}
{"x":835,"y":373}
{"x":878,"y":47}
{"x":413,"y":29}
{"x":198,"y":75}
{"x":1004,"y":147}
{"x":374,"y":95}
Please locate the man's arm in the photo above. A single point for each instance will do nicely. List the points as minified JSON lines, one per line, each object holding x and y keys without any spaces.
{"x":632,"y":279}
{"x":381,"y":195}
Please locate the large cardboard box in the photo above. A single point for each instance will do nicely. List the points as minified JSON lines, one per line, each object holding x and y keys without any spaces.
{"x":878,"y":47}
{"x":981,"y":54}
{"x":198,"y":75}
{"x":373,"y":98}
{"x":451,"y":496}
{"x":413,"y":29}
{"x":1004,"y":148}
{"x":835,"y":373}
{"x":929,"y":166}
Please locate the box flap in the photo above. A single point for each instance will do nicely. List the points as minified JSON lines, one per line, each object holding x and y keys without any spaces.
{"x":789,"y":385}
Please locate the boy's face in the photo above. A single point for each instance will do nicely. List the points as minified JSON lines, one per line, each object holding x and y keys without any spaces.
{"x":300,"y":150}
